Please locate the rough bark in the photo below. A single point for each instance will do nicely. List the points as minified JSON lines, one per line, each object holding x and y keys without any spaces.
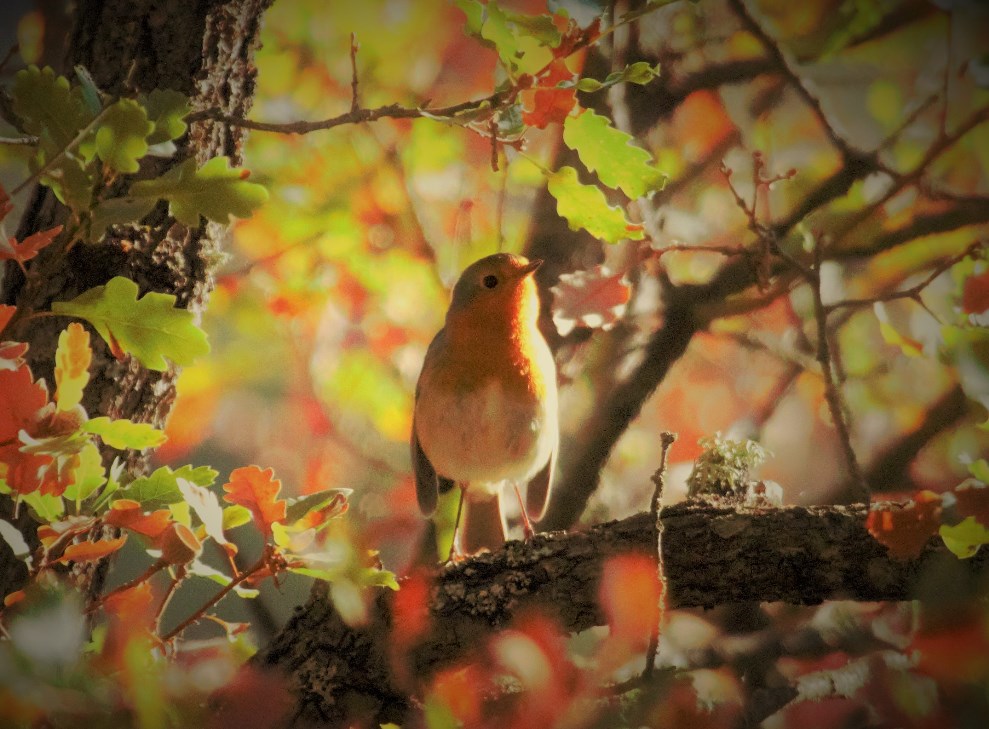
{"x":205,"y":49}
{"x":712,"y":555}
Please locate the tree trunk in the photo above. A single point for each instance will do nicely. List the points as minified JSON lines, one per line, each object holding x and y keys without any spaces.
{"x":205,"y":49}
{"x":712,"y":555}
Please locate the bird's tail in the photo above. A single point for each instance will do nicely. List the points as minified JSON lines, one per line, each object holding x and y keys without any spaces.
{"x":482,"y":524}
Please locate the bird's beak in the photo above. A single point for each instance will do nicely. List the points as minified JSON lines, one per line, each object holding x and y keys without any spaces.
{"x":530,"y":267}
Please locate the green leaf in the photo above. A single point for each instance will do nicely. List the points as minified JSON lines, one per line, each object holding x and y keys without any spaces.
{"x":72,"y":182}
{"x":373,"y":577}
{"x":89,"y":92}
{"x":150,"y":328}
{"x":964,"y":538}
{"x":199,"y":475}
{"x":122,"y":136}
{"x":640,"y":72}
{"x":46,"y":507}
{"x":49,"y":107}
{"x":155,"y":491}
{"x":584,"y":206}
{"x":980,"y":469}
{"x":123,"y":433}
{"x":300,"y":506}
{"x":88,"y":476}
{"x":610,"y":153}
{"x":235,"y":515}
{"x":167,"y":109}
{"x":216,"y":191}
{"x":117,"y":211}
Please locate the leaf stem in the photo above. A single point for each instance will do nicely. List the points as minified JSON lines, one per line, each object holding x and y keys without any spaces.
{"x":45,"y":168}
{"x":198,"y":614}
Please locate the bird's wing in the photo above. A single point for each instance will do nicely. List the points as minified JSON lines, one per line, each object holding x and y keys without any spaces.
{"x":427,"y":484}
{"x":537,"y":495}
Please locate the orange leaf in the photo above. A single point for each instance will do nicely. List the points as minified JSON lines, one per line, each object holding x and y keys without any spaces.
{"x":6,"y":314}
{"x":29,"y":247}
{"x":411,"y":610}
{"x":629,"y":595}
{"x":257,"y":491}
{"x":544,"y":106}
{"x":975,"y":294}
{"x":91,"y":551}
{"x":14,"y":598}
{"x":128,"y":514}
{"x":72,"y":359}
{"x":905,"y":529}
{"x":22,"y":400}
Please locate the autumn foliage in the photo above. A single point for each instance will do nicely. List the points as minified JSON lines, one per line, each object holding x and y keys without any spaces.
{"x":763,"y":227}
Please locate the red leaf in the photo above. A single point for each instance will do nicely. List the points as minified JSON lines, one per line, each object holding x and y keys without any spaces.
{"x":973,"y":500}
{"x":21,"y":409}
{"x":257,"y":491}
{"x":905,"y":529}
{"x":411,"y":610}
{"x":545,"y":103}
{"x":29,"y":247}
{"x":957,"y":652}
{"x":975,"y":294}
{"x":127,"y":514}
{"x":91,"y":551}
{"x":545,"y":106}
{"x":254,"y":698}
{"x":594,"y":298}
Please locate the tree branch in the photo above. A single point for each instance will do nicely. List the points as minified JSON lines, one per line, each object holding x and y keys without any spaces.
{"x":712,"y":553}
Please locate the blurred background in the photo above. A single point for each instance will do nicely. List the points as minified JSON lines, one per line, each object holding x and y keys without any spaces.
{"x":331,"y":293}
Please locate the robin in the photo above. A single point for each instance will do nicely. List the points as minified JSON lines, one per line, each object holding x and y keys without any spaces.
{"x":486,"y":403}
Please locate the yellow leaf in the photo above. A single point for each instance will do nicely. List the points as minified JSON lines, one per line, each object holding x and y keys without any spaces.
{"x":72,"y":359}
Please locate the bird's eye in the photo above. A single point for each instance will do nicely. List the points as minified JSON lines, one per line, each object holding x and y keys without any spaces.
{"x":489,"y":281}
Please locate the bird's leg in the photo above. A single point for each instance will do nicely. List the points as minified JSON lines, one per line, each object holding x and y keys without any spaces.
{"x":527,"y":531}
{"x":456,"y":522}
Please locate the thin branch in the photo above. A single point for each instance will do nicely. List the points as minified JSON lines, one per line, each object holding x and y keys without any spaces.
{"x":831,"y":392}
{"x":355,"y":104}
{"x":356,"y":116}
{"x":19,"y":141}
{"x":772,"y":48}
{"x":913,"y":292}
{"x":47,"y":167}
{"x":229,"y":587}
{"x":666,"y":439}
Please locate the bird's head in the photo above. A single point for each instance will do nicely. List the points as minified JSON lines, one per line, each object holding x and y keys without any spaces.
{"x":496,"y":290}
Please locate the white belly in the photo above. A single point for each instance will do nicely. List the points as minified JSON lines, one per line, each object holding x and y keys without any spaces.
{"x":484,"y":436}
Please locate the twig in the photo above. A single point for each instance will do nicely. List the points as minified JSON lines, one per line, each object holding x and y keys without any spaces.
{"x":355,"y":104}
{"x":19,"y":141}
{"x":83,"y":133}
{"x":154,"y":568}
{"x":831,"y":392}
{"x":772,"y":48}
{"x":655,"y":507}
{"x":167,"y":598}
{"x":198,"y":614}
{"x":355,"y":116}
{"x":7,"y":56}
{"x":913,"y":292}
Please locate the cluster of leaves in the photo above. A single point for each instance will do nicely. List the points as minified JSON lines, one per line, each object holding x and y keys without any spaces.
{"x":82,"y":511}
{"x":540,"y":89}
{"x":959,"y":516}
{"x":723,"y":466}
{"x":86,"y":142}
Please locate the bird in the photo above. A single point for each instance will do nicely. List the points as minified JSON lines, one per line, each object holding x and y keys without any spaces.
{"x":486,"y":404}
